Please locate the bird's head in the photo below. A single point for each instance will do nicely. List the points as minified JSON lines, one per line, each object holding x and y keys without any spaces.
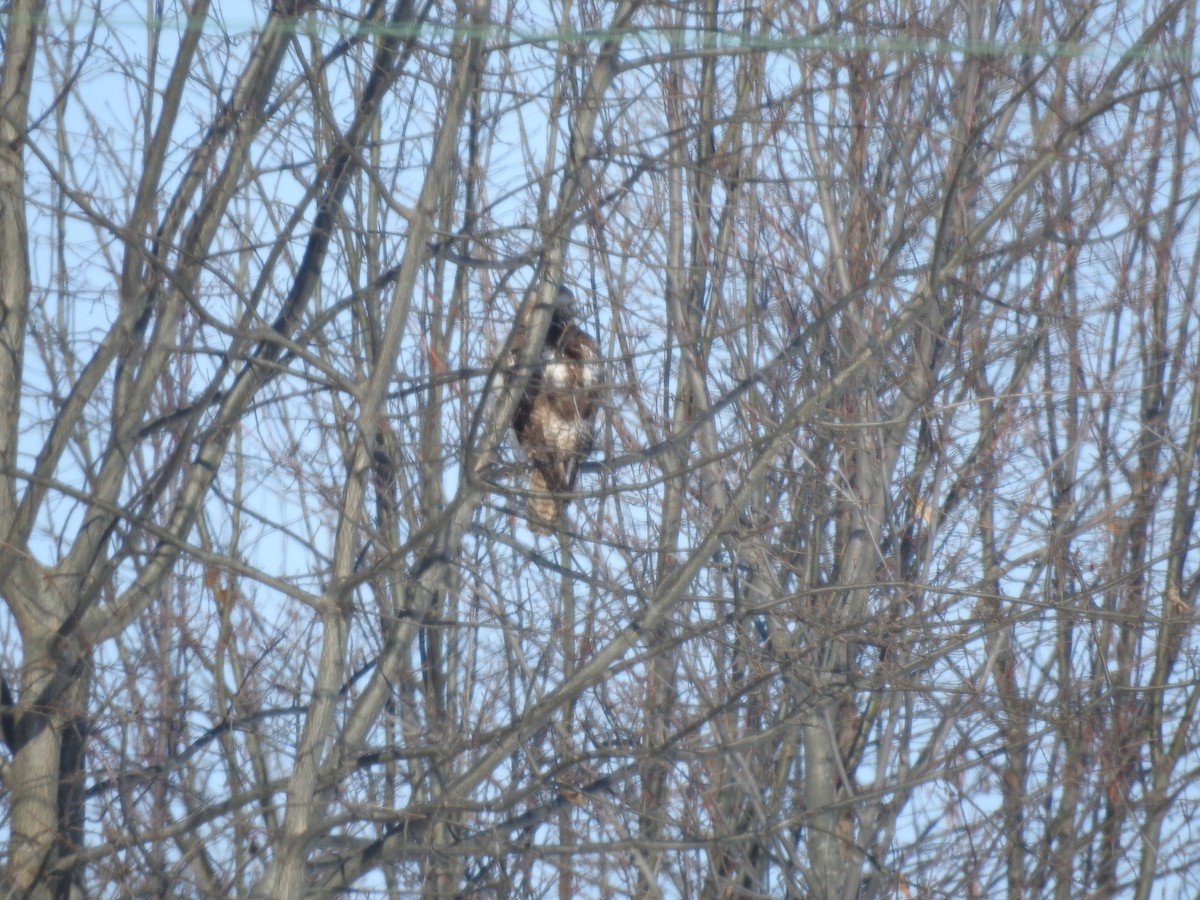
{"x":564,"y":303}
{"x":564,"y":312}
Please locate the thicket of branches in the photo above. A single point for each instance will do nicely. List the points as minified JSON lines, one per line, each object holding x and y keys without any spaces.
{"x":883,"y":578}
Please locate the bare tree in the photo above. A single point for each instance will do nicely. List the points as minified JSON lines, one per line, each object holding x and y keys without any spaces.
{"x":882,"y":580}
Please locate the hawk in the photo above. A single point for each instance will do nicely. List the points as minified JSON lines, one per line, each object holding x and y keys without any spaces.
{"x":556,"y":414}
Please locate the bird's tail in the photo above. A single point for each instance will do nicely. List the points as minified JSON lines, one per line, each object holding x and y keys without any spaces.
{"x":544,"y":512}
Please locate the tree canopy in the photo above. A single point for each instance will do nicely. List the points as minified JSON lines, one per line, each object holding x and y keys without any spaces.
{"x":881,"y":580}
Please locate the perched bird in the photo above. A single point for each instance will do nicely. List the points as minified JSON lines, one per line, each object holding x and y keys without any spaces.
{"x":555,"y":418}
